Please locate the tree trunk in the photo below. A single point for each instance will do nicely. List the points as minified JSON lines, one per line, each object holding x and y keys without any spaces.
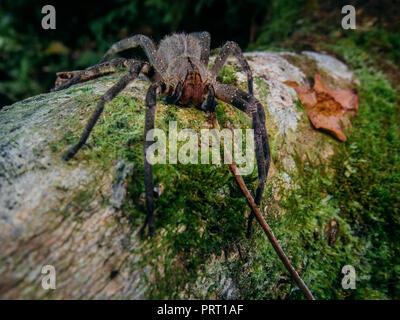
{"x":72,"y":215}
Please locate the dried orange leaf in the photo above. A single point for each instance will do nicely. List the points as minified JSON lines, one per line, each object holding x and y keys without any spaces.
{"x":325,"y":107}
{"x":347,"y":98}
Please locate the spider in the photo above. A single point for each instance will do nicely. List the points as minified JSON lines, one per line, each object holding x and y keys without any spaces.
{"x":179,"y":71}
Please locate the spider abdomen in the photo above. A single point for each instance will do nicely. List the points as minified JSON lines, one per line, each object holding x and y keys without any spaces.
{"x":179,"y":45}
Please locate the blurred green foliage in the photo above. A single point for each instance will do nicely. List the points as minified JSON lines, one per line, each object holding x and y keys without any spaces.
{"x":30,"y":56}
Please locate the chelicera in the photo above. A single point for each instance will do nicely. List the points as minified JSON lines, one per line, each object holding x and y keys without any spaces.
{"x":178,"y":70}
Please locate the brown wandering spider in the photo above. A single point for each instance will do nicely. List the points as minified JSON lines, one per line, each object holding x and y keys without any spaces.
{"x":178,"y":70}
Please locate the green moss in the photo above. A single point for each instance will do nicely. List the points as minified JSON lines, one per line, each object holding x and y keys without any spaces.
{"x":201,"y":212}
{"x":119,"y":128}
{"x":119,"y":134}
{"x":227,"y":75}
{"x":359,"y":188}
{"x":367,"y":186}
{"x":85,"y":89}
{"x":376,"y":43}
{"x":262,"y":87}
{"x":308,"y":208}
{"x":199,"y":215}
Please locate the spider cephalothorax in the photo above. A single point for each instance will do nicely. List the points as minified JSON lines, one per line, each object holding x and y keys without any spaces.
{"x":178,"y":70}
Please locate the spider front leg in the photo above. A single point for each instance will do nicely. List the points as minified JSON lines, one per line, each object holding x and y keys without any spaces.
{"x":205,"y":40}
{"x":263,"y":153}
{"x":233,"y":48}
{"x":146,"y":44}
{"x":105,"y":99}
{"x":248,"y":104}
{"x":151,"y":100}
{"x":94,"y":72}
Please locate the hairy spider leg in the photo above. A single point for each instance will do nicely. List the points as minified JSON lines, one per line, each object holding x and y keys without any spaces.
{"x":151,"y":100}
{"x":209,"y":103}
{"x":148,"y":47}
{"x":205,"y":40}
{"x":176,"y":94}
{"x":233,"y":48}
{"x":105,"y":99}
{"x":104,"y":67}
{"x":251,"y":106}
{"x":97,"y":71}
{"x":267,"y":159}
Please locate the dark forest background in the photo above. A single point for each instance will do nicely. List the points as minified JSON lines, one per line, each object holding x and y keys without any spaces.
{"x":30,"y":56}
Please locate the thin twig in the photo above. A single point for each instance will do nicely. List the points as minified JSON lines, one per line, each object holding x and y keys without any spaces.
{"x":261,"y":220}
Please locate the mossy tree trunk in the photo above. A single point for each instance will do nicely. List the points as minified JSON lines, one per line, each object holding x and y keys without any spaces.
{"x":84,"y":217}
